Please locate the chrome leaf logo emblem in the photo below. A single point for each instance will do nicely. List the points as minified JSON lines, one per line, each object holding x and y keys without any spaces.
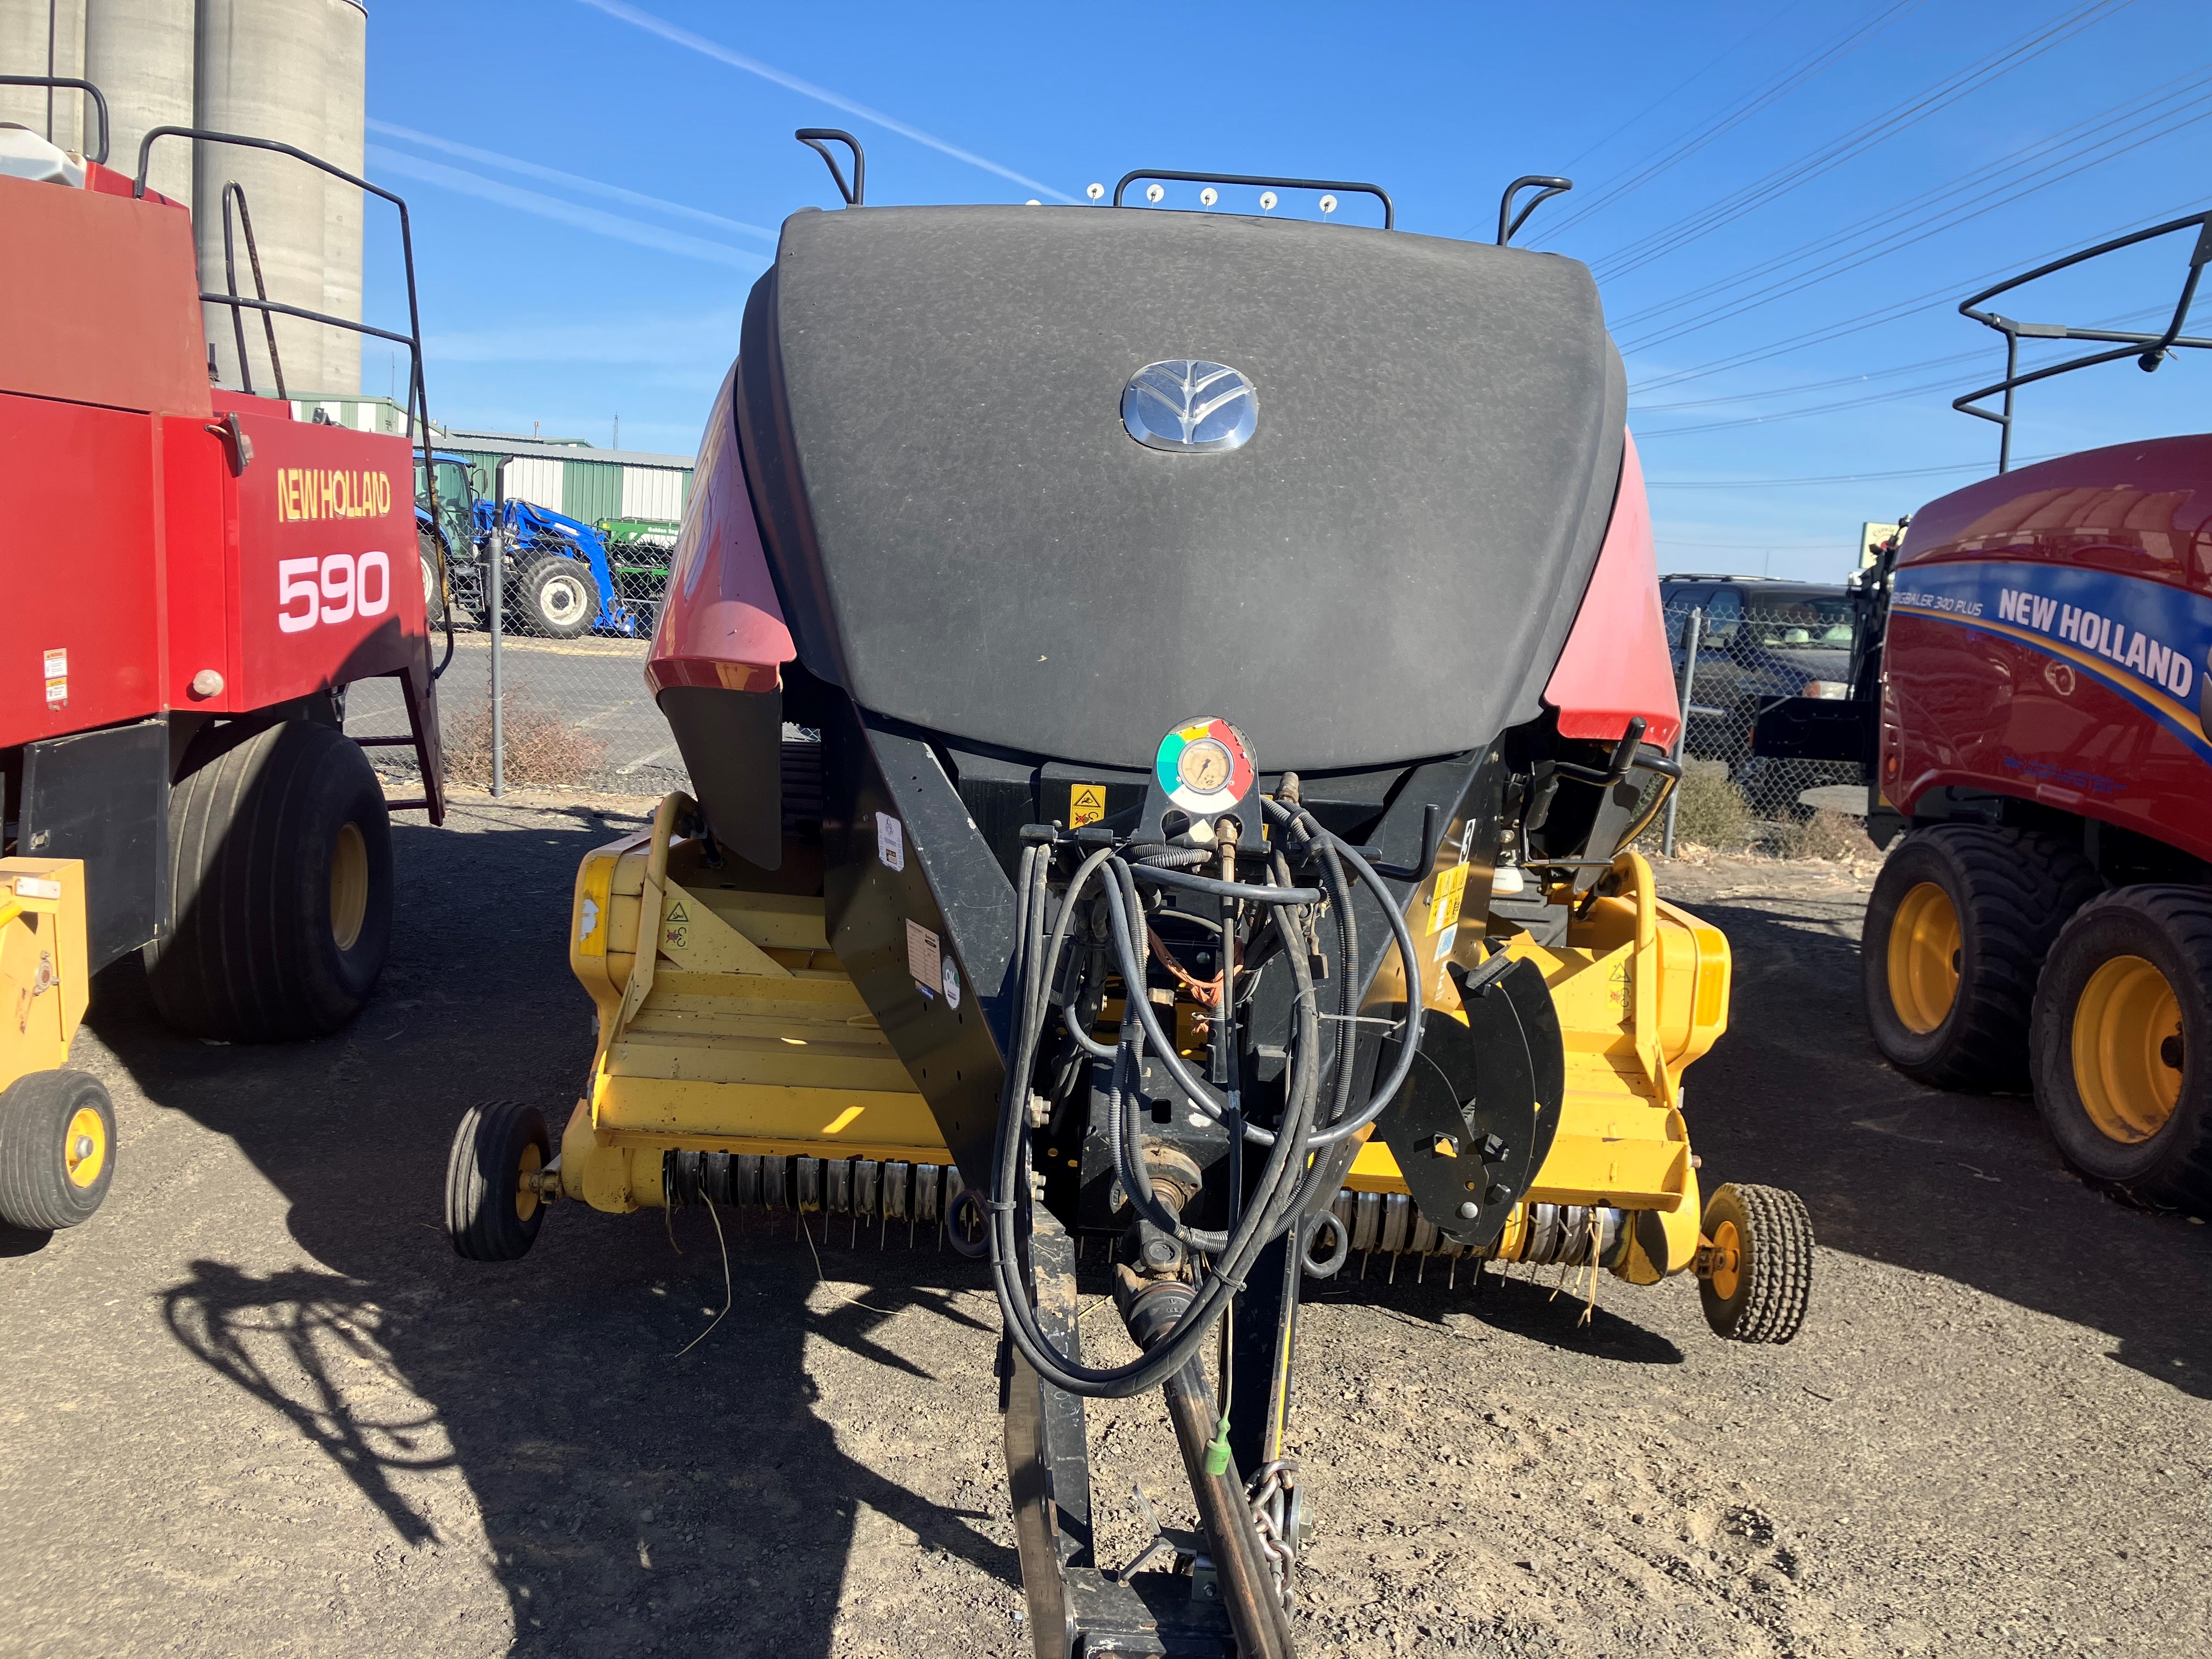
{"x":1186,"y":404}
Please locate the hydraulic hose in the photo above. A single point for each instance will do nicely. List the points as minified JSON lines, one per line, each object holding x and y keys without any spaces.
{"x":1285,"y":1181}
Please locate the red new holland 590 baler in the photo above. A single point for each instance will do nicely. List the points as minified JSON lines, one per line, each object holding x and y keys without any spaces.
{"x":193,"y":578}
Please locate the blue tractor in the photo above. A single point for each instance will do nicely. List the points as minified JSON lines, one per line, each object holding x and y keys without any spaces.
{"x":556,"y":579}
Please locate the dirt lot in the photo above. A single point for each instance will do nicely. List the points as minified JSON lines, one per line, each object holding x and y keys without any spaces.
{"x":258,"y":1406}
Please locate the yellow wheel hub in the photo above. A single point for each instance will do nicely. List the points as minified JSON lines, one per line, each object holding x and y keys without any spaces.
{"x":525,"y":1190}
{"x":1726,"y":1260}
{"x":84,"y":1148}
{"x":348,"y":885}
{"x":2127,"y":1049}
{"x":1923,"y":958}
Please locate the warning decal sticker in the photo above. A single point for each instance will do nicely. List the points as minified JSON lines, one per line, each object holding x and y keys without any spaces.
{"x":924,"y":958}
{"x":1086,"y":804}
{"x":891,"y":841}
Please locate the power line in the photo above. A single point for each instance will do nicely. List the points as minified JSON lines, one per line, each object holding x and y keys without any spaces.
{"x":1861,"y":137}
{"x":1946,"y":384}
{"x":2080,"y":134}
{"x":1989,"y":201}
{"x":1810,"y":385}
{"x":1707,"y":320}
{"x":1840,"y":477}
{"x":1893,"y":312}
{"x":1668,"y":96}
{"x":1729,"y":120}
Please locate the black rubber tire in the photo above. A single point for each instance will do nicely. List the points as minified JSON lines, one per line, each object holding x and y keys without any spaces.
{"x":536,"y":607}
{"x":37,"y":1190}
{"x":251,"y":953}
{"x":967,"y":1226}
{"x":2170,"y":927}
{"x":434,"y":594}
{"x":488,"y":1215}
{"x":1774,"y":1282}
{"x":2012,"y":892}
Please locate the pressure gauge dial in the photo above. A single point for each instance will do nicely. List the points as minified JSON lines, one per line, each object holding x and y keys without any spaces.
{"x":1204,"y":766}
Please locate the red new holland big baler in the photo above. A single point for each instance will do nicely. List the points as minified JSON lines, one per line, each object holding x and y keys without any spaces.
{"x":191,"y":581}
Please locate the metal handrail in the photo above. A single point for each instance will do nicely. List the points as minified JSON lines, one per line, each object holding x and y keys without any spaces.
{"x":1508,"y":221}
{"x":51,"y":81}
{"x":2148,"y":351}
{"x":1390,"y":212}
{"x":260,"y":289}
{"x":417,"y":403}
{"x":818,"y":139}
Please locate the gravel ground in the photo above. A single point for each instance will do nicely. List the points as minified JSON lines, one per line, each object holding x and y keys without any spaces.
{"x":257,"y":1404}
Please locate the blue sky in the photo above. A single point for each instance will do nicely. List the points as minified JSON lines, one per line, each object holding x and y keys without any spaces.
{"x":1783,"y":202}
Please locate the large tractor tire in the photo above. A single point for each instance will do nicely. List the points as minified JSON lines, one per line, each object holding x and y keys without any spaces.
{"x":2123,"y":1044}
{"x":558,"y":597}
{"x":434,"y":590}
{"x":57,"y":1149}
{"x":280,"y":884}
{"x":1956,"y":930}
{"x":493,"y":1212}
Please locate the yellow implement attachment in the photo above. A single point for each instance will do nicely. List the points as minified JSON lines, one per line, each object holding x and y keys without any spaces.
{"x":1642,"y":989}
{"x":738,"y":1033}
{"x":44,"y":981}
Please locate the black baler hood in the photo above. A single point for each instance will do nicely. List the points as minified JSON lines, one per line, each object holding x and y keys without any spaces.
{"x":965,"y":537}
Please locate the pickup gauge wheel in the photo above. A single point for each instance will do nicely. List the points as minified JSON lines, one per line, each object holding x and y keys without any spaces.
{"x":1755,"y":1268}
{"x":57,"y":1149}
{"x":558,"y":597}
{"x":493,"y":1209}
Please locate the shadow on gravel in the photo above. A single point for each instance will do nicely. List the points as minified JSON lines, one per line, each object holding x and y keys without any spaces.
{"x":1531,"y":1305}
{"x":22,"y":1241}
{"x":637,"y":1502}
{"x":1964,"y":1186}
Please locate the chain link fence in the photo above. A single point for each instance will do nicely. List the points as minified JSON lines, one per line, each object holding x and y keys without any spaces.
{"x":1726,"y":671}
{"x":570,"y":634}
{"x":564,"y":634}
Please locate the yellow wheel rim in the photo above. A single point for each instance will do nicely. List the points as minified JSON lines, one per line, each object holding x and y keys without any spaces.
{"x":2127,"y":1049}
{"x":1923,"y":958}
{"x":84,"y":1148}
{"x":348,"y":885}
{"x":1727,"y":1260}
{"x":525,"y":1188}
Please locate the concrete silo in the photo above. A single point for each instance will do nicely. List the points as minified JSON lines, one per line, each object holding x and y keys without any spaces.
{"x":46,"y":37}
{"x":345,"y":131}
{"x":290,"y":69}
{"x":293,"y":71}
{"x":139,"y":53}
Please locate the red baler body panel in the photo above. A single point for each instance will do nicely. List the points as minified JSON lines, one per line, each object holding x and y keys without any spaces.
{"x":2050,"y":637}
{"x":1615,"y":664}
{"x":721,"y":623}
{"x":137,"y":553}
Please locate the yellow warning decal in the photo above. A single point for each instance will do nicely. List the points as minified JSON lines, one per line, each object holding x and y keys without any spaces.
{"x":1451,"y":888}
{"x":1086,"y":804}
{"x":676,"y":927}
{"x":591,"y":907}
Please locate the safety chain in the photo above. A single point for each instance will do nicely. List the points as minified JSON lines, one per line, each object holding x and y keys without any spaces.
{"x":1270,"y":1492}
